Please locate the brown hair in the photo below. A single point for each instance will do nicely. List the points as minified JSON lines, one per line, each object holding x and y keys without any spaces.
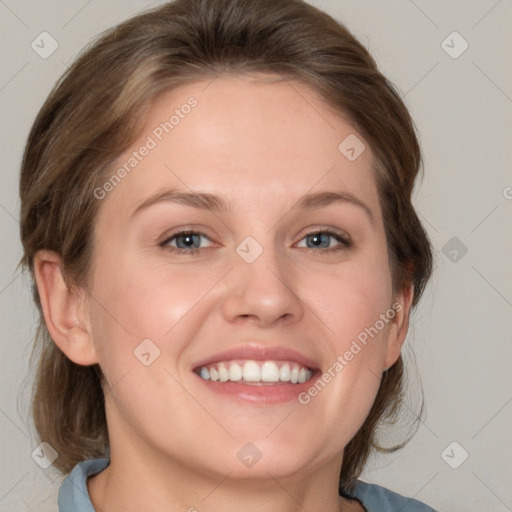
{"x":96,"y":110}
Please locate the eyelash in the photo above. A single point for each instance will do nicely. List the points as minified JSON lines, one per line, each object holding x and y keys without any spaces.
{"x":345,"y":242}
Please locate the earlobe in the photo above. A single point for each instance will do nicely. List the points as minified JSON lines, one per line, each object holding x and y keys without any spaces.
{"x":61,"y":309}
{"x":400,"y":325}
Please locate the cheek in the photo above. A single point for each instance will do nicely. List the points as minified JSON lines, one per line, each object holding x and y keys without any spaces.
{"x":352,"y":303}
{"x":134,"y":302}
{"x":148,"y":300}
{"x":146,"y":315}
{"x":350,"y":298}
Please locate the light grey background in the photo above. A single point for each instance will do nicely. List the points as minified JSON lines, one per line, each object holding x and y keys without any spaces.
{"x":461,"y":331}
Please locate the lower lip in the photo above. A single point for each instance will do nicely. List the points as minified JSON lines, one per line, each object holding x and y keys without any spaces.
{"x":266,"y":393}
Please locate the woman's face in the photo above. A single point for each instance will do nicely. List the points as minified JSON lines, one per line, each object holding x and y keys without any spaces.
{"x":287,"y":265}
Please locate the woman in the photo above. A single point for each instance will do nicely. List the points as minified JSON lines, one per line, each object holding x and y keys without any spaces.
{"x":216,"y":211}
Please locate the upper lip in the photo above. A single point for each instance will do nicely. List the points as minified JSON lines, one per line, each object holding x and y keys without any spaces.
{"x":259,"y":353}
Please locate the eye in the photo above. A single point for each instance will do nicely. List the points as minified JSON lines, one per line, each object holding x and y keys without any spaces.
{"x":189,"y":242}
{"x":322,"y":239}
{"x":186,"y":242}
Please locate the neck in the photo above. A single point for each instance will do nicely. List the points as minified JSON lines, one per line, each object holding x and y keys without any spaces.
{"x":136,"y":481}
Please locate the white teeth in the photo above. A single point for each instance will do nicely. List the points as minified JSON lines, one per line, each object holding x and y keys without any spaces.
{"x":251,"y":372}
{"x":256,"y":371}
{"x":294,"y":376}
{"x":223,"y":373}
{"x":235,"y":372}
{"x":284,"y":373}
{"x":270,"y":372}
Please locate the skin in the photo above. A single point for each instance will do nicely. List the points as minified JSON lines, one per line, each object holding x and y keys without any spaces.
{"x":261,"y":144}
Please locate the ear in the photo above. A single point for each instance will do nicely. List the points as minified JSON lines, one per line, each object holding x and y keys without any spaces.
{"x":64,"y":309}
{"x":399,"y":325}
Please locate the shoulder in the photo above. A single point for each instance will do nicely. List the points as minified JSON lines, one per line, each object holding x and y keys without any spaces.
{"x":376,"y":498}
{"x":73,"y":494}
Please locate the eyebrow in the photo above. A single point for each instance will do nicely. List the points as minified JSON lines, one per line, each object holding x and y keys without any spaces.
{"x":206,"y":201}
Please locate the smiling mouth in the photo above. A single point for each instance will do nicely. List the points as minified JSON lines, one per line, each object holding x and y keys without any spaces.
{"x":256,"y":373}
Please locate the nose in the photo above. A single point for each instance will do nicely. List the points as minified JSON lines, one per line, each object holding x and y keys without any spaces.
{"x":262,"y":292}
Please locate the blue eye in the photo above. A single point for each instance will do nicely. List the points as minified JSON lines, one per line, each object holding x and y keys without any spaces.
{"x":320,"y":239}
{"x":185,"y":240}
{"x":189,"y":242}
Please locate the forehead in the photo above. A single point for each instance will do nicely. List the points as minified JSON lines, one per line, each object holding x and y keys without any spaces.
{"x":244,"y":137}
